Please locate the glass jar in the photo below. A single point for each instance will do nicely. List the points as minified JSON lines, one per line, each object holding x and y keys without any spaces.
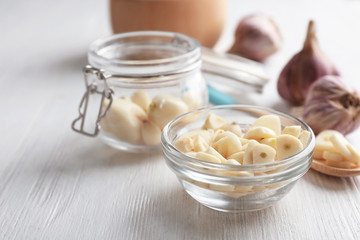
{"x":136,"y":83}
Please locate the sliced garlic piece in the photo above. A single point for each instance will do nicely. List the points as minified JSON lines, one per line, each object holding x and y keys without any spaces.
{"x":338,"y":164}
{"x":269,"y":121}
{"x":227,"y":145}
{"x":185,"y":144}
{"x":304,"y":137}
{"x":270,"y":142}
{"x":208,"y":157}
{"x":232,"y":162}
{"x":287,"y":145}
{"x":222,"y":188}
{"x":234,"y":128}
{"x":263,"y":154}
{"x":244,"y":141}
{"x":248,"y":152}
{"x":292,"y":130}
{"x":191,"y":154}
{"x":318,"y":154}
{"x":239,"y":156}
{"x":332,"y":156}
{"x":355,"y":154}
{"x":213,"y":152}
{"x":323,"y":142}
{"x":214,"y":122}
{"x":340,"y":143}
{"x":200,"y":144}
{"x":259,"y":133}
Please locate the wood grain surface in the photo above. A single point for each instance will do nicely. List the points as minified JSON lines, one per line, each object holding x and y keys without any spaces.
{"x":56,"y":184}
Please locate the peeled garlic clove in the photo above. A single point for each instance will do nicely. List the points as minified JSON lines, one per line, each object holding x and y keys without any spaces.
{"x":256,"y":37}
{"x":151,"y":133}
{"x":304,"y":69}
{"x":142,"y":99}
{"x":125,"y":120}
{"x":331,"y":104}
{"x":164,"y":108}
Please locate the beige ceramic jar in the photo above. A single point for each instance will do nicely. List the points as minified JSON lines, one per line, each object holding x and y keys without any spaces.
{"x":200,"y":19}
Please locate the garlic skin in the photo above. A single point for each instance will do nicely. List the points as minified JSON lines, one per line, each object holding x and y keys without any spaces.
{"x":304,"y":69}
{"x":256,"y":37}
{"x":331,"y":104}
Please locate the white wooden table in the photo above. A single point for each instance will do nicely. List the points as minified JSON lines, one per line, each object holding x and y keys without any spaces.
{"x":56,"y":184}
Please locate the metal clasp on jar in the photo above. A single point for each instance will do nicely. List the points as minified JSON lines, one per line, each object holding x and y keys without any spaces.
{"x":93,"y":88}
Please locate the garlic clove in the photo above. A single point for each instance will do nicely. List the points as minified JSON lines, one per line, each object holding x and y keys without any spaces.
{"x":125,"y":120}
{"x":304,"y":69}
{"x":331,"y":104}
{"x":151,"y":133}
{"x":164,"y":108}
{"x":142,"y":99}
{"x":256,"y":37}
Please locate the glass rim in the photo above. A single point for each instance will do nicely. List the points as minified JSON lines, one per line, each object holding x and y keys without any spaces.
{"x":193,"y":52}
{"x":168,"y":146}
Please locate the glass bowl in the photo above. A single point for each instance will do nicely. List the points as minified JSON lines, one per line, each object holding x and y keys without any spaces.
{"x":234,"y":188}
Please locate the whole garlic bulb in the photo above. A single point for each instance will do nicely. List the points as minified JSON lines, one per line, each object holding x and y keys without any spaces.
{"x":330,"y":104}
{"x":256,"y":37}
{"x":304,"y":69}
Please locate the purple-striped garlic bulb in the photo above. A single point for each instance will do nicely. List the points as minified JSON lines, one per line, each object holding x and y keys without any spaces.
{"x":303,"y":69}
{"x":331,"y":104}
{"x":256,"y":37}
